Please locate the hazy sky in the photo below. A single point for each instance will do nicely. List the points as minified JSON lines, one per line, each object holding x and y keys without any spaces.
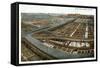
{"x":54,"y":9}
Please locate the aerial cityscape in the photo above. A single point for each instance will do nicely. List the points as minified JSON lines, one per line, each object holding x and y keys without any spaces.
{"x":51,"y":36}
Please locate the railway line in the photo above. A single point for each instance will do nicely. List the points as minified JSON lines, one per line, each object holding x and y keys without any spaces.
{"x":71,"y":40}
{"x":28,"y":54}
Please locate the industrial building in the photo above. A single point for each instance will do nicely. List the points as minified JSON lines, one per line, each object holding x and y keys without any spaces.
{"x":62,"y":37}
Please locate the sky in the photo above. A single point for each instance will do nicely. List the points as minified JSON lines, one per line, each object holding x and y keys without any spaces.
{"x":55,"y":9}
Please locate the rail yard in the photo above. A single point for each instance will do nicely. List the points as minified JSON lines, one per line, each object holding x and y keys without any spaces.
{"x":61,"y":37}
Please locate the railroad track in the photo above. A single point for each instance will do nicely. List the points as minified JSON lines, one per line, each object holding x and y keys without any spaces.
{"x":28,"y":55}
{"x":74,"y":38}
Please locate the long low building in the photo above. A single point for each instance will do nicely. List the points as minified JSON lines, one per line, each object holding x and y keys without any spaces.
{"x":48,"y":52}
